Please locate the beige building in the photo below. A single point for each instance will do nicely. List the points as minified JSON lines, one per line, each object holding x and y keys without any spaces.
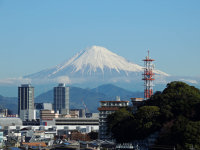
{"x":74,"y":113}
{"x":48,"y":116}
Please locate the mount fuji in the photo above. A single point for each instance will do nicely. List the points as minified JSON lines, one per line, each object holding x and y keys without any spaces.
{"x":95,"y":65}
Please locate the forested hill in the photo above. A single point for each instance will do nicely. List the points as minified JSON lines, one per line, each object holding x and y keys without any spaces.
{"x":174,"y":113}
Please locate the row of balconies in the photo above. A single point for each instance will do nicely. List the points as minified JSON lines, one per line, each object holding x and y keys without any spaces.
{"x":114,"y":104}
{"x":107,"y":112}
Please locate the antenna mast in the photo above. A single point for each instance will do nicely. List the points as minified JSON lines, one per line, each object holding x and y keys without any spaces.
{"x":148,"y":77}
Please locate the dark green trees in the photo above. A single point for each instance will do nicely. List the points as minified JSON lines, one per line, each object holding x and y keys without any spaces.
{"x":174,"y":113}
{"x":120,"y":123}
{"x":126,"y":126}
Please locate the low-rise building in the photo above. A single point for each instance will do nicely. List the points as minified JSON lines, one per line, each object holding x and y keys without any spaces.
{"x":42,"y":106}
{"x":47,"y":117}
{"x":10,"y":121}
{"x":136,"y":102}
{"x":74,"y":113}
{"x":77,"y":113}
{"x":3,"y":112}
{"x":77,"y":121}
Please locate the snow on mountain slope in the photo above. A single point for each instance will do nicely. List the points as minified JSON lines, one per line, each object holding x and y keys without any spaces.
{"x":94,"y":60}
{"x":98,"y":57}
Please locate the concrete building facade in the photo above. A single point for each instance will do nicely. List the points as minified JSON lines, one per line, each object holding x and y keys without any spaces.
{"x":26,"y":102}
{"x":77,"y":113}
{"x":47,"y":117}
{"x":42,"y":106}
{"x":61,"y":99}
{"x":10,"y":121}
{"x":136,"y":102}
{"x":77,"y":121}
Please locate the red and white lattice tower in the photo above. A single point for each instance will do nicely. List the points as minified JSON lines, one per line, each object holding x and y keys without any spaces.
{"x":148,"y":77}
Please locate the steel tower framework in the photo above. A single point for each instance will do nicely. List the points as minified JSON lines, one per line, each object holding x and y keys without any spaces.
{"x":148,"y":77}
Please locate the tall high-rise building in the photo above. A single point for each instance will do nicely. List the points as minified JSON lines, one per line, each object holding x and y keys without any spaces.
{"x":61,"y":99}
{"x":26,"y":102}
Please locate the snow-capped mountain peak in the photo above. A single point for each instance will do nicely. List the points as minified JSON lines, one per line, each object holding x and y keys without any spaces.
{"x":97,"y":57}
{"x":94,"y":64}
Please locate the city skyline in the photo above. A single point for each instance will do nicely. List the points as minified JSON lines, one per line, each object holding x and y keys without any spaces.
{"x":41,"y":34}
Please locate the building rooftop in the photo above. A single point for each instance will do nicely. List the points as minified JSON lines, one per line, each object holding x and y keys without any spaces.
{"x":10,"y":121}
{"x":26,"y":85}
{"x":42,"y":144}
{"x":137,"y":99}
{"x":114,"y":101}
{"x":108,"y":108}
{"x":61,"y":85}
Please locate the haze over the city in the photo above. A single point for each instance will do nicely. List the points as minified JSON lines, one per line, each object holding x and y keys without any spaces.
{"x":35,"y":35}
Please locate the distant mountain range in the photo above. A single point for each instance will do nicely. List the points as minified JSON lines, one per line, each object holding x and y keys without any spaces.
{"x":91,"y":97}
{"x":9,"y":103}
{"x":79,"y":97}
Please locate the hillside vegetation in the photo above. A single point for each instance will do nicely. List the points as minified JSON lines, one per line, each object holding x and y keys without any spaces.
{"x":173,"y":113}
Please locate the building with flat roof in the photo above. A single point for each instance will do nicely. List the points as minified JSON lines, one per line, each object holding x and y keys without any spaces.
{"x":47,"y":117}
{"x":136,"y":102}
{"x":77,"y":121}
{"x":26,"y":102}
{"x":3,"y":112}
{"x":61,"y":99}
{"x":42,"y":106}
{"x":10,"y":121}
{"x":77,"y":113}
{"x":106,"y":108}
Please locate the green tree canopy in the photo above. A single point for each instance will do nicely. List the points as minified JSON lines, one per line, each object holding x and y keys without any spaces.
{"x":119,"y":124}
{"x":174,"y":113}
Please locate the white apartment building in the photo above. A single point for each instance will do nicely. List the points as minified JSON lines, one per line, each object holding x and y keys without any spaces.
{"x":106,"y":108}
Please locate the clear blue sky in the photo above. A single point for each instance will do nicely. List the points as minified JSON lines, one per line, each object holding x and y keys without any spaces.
{"x":35,"y":35}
